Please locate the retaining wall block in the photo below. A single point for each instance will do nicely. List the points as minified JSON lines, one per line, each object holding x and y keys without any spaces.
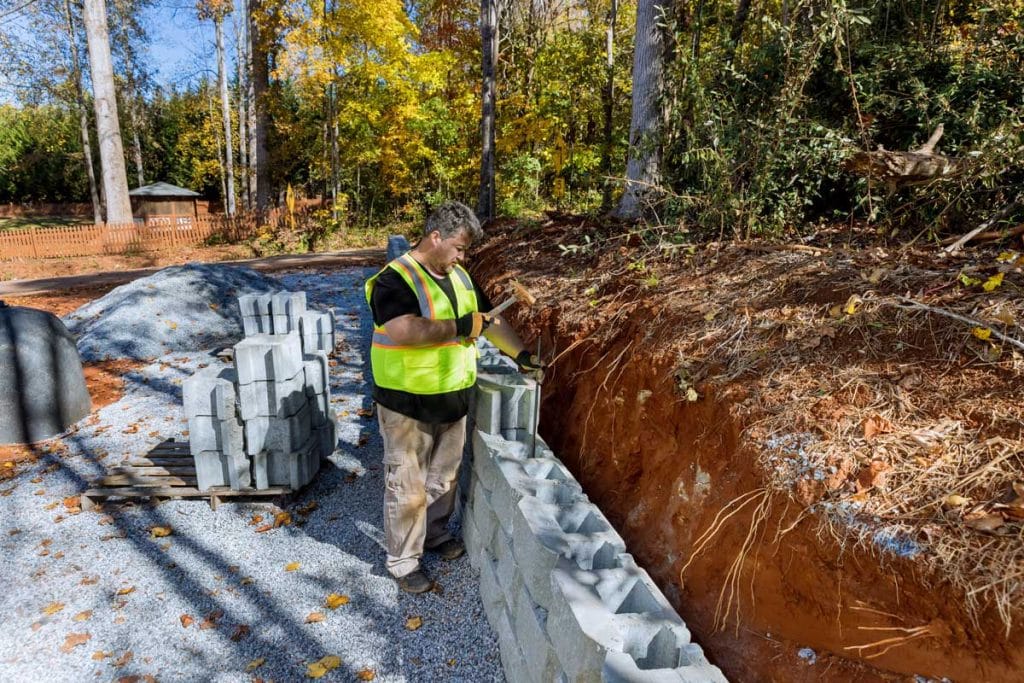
{"x":518,"y":397}
{"x":211,"y":392}
{"x":491,"y":593}
{"x":620,"y":667}
{"x":280,"y":398}
{"x":294,"y":468}
{"x":509,"y":577}
{"x":321,"y":410}
{"x":488,"y":410}
{"x":214,"y":468}
{"x":252,"y":325}
{"x":207,"y":433}
{"x":268,"y":357}
{"x":285,"y":309}
{"x":547,"y":536}
{"x":327,"y":438}
{"x":317,"y":371}
{"x":278,"y":434}
{"x":259,"y":470}
{"x":518,"y":483}
{"x":255,"y":309}
{"x":484,"y":519}
{"x":530,"y":625}
{"x":317,"y":331}
{"x":397,"y":245}
{"x":471,"y":537}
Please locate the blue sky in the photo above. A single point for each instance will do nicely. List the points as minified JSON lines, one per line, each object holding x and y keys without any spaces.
{"x":180,"y":49}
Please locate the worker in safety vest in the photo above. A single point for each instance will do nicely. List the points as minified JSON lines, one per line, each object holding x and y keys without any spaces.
{"x":426,"y":316}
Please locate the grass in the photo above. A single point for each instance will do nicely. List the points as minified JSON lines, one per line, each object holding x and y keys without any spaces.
{"x":28,"y":222}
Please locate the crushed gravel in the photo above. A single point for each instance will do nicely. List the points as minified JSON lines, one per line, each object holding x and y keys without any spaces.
{"x":125,"y":602}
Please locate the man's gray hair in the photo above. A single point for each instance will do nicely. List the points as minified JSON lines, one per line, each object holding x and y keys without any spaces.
{"x":452,"y":218}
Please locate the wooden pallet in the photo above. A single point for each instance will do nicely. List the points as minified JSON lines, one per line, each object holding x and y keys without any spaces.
{"x":167,"y":471}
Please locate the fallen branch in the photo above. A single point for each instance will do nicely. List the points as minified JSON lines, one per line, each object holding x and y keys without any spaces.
{"x":990,"y":235}
{"x":910,"y":303}
{"x":897,"y":169}
{"x":999,"y":215}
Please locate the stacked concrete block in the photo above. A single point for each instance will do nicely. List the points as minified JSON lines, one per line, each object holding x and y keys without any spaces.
{"x":317,"y":331}
{"x":286,"y":309}
{"x":256,"y":318}
{"x":566,"y":599}
{"x":216,"y":438}
{"x":397,"y":245}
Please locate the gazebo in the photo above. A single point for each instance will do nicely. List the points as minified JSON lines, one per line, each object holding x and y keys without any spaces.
{"x":164,"y":203}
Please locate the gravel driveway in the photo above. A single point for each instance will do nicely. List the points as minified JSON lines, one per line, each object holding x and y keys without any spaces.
{"x":101,"y":596}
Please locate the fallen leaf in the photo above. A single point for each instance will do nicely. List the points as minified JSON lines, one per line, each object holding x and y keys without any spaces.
{"x":159,"y":531}
{"x":246,"y":580}
{"x":852,"y":304}
{"x":334,"y":601}
{"x":282,"y":519}
{"x":982,"y":333}
{"x":256,"y":519}
{"x":319,"y":668}
{"x":74,"y":640}
{"x":292,"y":566}
{"x":315,"y":617}
{"x":984,"y":522}
{"x":451,"y":662}
{"x":126,"y":590}
{"x":89,"y":580}
{"x":124,"y":659}
{"x":993,"y":282}
{"x":691,"y":395}
{"x":364,"y":412}
{"x":255,"y":664}
{"x":53,"y":608}
{"x":171,"y":324}
{"x":100,"y":655}
{"x":73,"y":502}
{"x":83,"y":616}
{"x":954,"y":500}
{"x":363,"y":440}
{"x":413,"y":623}
{"x":366,"y":675}
{"x":211,"y":619}
{"x":214,"y":307}
{"x":186,"y":620}
{"x":875,"y":425}
{"x":241,"y":631}
{"x":264,"y":528}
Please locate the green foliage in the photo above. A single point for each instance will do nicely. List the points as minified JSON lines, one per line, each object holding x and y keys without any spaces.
{"x":40,"y":155}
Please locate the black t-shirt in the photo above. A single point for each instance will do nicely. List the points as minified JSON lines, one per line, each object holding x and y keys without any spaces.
{"x":391,"y":298}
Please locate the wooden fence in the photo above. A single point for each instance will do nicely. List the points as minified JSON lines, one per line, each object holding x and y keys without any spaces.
{"x":155,"y":235}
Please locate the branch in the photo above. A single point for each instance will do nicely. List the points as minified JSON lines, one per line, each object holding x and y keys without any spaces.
{"x":910,"y":303}
{"x":999,"y":215}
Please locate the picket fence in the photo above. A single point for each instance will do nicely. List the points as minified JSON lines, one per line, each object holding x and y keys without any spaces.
{"x":154,"y":235}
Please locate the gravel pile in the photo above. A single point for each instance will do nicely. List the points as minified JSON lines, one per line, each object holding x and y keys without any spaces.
{"x":99,"y":596}
{"x":182,"y":308}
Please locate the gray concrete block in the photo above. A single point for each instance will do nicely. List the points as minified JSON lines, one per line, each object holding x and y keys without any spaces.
{"x":489,"y":452}
{"x":488,"y":410}
{"x":548,"y":486}
{"x":278,"y":434}
{"x":293,"y":468}
{"x":509,"y":577}
{"x":661,"y":662}
{"x":256,"y":325}
{"x":326,"y":436}
{"x":518,"y":396}
{"x":207,"y":433}
{"x":266,"y":358}
{"x":397,"y":245}
{"x":281,"y":324}
{"x":491,"y":593}
{"x":214,"y":468}
{"x":513,"y":661}
{"x":210,"y":392}
{"x":484,"y":519}
{"x":317,"y":371}
{"x":280,"y":398}
{"x":259,"y":470}
{"x":547,"y":536}
{"x":286,"y":308}
{"x":530,"y":625}
{"x":320,"y":410}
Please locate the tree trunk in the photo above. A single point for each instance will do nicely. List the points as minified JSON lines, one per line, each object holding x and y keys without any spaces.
{"x":108,"y":130}
{"x":133,"y":122}
{"x":608,"y":95}
{"x":83,"y":116}
{"x":643,"y":169}
{"x":489,"y":36}
{"x":241,"y":37}
{"x":738,"y":24}
{"x":225,"y":108}
{"x":260,"y":79}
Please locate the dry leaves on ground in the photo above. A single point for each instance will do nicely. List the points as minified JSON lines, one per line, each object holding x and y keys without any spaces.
{"x":73,"y":640}
{"x":413,"y":623}
{"x":319,"y":668}
{"x":334,"y":600}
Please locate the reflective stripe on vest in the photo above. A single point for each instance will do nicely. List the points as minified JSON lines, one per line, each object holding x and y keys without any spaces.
{"x":436,"y":368}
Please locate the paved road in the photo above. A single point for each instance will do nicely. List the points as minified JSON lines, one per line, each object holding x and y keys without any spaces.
{"x":349,"y":257}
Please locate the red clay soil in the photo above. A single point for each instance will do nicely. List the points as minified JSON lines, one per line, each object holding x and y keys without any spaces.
{"x":664,"y":468}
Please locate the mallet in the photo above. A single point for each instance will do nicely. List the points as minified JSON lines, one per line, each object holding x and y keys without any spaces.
{"x":519,"y":293}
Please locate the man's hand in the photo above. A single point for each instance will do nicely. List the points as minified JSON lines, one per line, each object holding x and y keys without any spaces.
{"x":530,"y":364}
{"x":473,"y":324}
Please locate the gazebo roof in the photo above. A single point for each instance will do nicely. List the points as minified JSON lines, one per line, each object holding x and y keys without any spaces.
{"x":163,"y":190}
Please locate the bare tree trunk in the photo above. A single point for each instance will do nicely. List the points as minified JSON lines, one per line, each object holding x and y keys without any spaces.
{"x":643,"y":169}
{"x":260,"y":76}
{"x":216,"y":136}
{"x":225,"y":108}
{"x":129,"y":97}
{"x":489,"y":35}
{"x":241,"y":61}
{"x":83,"y":116}
{"x":609,"y":103}
{"x":108,"y":130}
{"x":738,"y":24}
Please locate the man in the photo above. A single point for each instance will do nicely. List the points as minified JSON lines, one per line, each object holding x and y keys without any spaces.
{"x":427,"y":314}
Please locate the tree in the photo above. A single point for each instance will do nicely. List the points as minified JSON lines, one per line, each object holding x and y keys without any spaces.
{"x":489,"y":38}
{"x":108,"y":129}
{"x":83,"y":115}
{"x":643,"y":171}
{"x":216,"y":10}
{"x":259,"y":78}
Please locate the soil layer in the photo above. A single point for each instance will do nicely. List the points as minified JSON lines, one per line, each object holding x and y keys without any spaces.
{"x":662,"y":439}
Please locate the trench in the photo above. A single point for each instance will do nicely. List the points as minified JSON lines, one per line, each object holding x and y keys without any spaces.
{"x":765,"y":605}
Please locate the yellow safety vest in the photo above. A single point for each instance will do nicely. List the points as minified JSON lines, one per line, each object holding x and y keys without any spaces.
{"x":437,"y":368}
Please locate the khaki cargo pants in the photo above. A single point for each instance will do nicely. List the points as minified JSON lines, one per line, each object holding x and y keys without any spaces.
{"x":421,"y":464}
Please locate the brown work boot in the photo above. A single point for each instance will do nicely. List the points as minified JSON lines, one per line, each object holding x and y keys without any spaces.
{"x":449,"y":550}
{"x":415,"y":581}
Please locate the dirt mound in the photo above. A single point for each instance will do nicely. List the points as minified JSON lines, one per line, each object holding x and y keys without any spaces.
{"x":817,"y":452}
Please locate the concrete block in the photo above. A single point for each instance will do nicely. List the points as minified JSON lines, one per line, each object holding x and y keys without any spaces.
{"x":471,"y":538}
{"x":211,"y":392}
{"x":547,"y":536}
{"x":530,"y":624}
{"x":538,"y":478}
{"x":280,"y":398}
{"x":294,"y":468}
{"x":214,"y":468}
{"x":286,"y":309}
{"x":661,"y":661}
{"x":266,"y":357}
{"x":278,"y":434}
{"x":326,"y":436}
{"x":509,"y":577}
{"x":397,"y":245}
{"x":513,"y":661}
{"x":317,"y":371}
{"x":320,"y":410}
{"x":489,"y":452}
{"x":484,"y":519}
{"x":259,"y":470}
{"x":491,"y":593}
{"x":518,"y":396}
{"x":256,"y":325}
{"x":488,"y":410}
{"x":254,"y":305}
{"x":211,"y":434}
